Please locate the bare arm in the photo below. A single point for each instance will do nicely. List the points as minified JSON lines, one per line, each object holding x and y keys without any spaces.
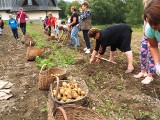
{"x":93,"y":56}
{"x":153,"y":46}
{"x":74,"y":21}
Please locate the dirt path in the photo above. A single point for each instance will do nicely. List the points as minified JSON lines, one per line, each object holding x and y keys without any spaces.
{"x":27,"y":103}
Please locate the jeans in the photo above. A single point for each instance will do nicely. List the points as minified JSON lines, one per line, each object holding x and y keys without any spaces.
{"x":15,"y":33}
{"x":74,"y":36}
{"x":23,"y":28}
{"x":86,"y":38}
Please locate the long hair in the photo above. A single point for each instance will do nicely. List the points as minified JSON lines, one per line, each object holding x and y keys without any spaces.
{"x":152,"y":12}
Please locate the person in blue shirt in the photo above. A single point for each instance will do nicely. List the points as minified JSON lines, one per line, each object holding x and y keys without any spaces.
{"x":13,"y":25}
{"x":152,"y":31}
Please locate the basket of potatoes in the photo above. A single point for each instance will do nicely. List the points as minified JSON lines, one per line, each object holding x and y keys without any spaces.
{"x":68,"y":91}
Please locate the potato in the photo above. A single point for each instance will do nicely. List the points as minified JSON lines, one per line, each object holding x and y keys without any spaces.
{"x":59,"y":97}
{"x":64,"y":98}
{"x":64,"y":84}
{"x":61,"y":91}
{"x":54,"y":93}
{"x":74,"y":95}
{"x":79,"y":97}
{"x":68,"y":85}
{"x":69,"y":96}
{"x":79,"y":91}
{"x":68,"y":100}
{"x":83,"y":93}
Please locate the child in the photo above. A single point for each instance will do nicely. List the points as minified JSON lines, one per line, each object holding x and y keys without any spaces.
{"x":45,"y":22}
{"x":1,"y":26}
{"x":144,"y":55}
{"x":13,"y":24}
{"x":56,"y":29}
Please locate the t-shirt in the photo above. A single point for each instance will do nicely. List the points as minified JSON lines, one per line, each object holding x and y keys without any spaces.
{"x":74,"y":15}
{"x":151,"y":33}
{"x":13,"y":23}
{"x":114,"y":36}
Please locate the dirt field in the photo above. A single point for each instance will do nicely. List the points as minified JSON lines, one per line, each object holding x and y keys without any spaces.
{"x":116,"y":95}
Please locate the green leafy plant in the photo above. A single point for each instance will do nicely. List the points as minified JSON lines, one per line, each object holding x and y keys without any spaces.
{"x":40,"y":43}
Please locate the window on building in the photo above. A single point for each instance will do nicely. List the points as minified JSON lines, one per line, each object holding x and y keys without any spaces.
{"x":30,"y":2}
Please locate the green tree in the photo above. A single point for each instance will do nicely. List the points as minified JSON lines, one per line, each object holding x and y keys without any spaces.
{"x":134,"y":12}
{"x":74,"y":3}
{"x":102,"y":11}
{"x":62,"y":5}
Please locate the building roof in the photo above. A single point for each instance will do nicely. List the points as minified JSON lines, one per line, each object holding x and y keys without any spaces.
{"x":38,"y":5}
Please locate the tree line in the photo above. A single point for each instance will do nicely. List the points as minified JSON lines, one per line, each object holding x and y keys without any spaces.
{"x":108,"y":11}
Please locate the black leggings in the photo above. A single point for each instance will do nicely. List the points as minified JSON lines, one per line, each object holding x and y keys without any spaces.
{"x":23,"y":28}
{"x":15,"y":33}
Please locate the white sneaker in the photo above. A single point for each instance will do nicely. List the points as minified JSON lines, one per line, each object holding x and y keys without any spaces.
{"x":88,"y":51}
{"x":140,"y":75}
{"x":85,"y":49}
{"x":147,"y":80}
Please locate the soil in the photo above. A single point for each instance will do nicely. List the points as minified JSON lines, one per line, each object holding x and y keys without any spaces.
{"x":112,"y":92}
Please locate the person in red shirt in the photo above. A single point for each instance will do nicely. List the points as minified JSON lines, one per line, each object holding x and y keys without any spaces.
{"x":21,"y":18}
{"x":51,"y":22}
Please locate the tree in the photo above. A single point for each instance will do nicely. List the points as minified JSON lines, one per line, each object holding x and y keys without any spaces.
{"x":134,"y":12}
{"x":74,"y":3}
{"x":102,"y":11}
{"x":62,"y":5}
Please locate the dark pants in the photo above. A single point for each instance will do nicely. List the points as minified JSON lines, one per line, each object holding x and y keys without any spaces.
{"x":15,"y":33}
{"x":23,"y":28}
{"x":86,"y":38}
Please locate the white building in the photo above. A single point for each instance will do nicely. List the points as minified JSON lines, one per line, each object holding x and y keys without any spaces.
{"x":35,"y":9}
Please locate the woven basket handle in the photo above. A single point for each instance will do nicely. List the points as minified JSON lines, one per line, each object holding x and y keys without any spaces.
{"x":45,"y":65}
{"x":30,"y":43}
{"x":62,"y":111}
{"x":57,"y":87}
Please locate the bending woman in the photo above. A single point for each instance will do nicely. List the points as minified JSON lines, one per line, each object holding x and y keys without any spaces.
{"x":115,"y":36}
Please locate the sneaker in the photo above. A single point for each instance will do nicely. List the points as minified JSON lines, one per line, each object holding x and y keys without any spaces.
{"x":140,"y":75}
{"x":129,"y":70}
{"x":88,"y":51}
{"x":147,"y":80}
{"x":85,"y":49}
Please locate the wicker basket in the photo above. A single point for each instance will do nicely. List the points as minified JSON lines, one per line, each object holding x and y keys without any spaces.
{"x":46,"y":77}
{"x":33,"y":51}
{"x":74,"y":112}
{"x":58,"y":83}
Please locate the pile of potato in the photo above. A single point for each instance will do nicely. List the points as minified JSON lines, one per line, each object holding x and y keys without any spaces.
{"x":68,"y":92}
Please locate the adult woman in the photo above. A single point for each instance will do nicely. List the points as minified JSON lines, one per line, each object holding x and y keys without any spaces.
{"x":74,"y":31}
{"x":21,"y":18}
{"x":152,"y":15}
{"x":85,"y":24}
{"x":115,"y":36}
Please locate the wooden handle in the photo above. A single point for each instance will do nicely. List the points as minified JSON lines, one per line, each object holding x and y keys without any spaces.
{"x":57,"y":87}
{"x":45,"y":65}
{"x":106,"y":60}
{"x":62,"y":111}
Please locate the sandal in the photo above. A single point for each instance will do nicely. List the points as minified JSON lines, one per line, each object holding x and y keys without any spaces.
{"x":140,"y":75}
{"x":129,"y":70}
{"x":147,"y":80}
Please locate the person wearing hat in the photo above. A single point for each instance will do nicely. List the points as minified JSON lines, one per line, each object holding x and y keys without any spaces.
{"x":115,"y":36}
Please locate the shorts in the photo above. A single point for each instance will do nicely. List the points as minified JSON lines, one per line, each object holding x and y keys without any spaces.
{"x":126,"y":42}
